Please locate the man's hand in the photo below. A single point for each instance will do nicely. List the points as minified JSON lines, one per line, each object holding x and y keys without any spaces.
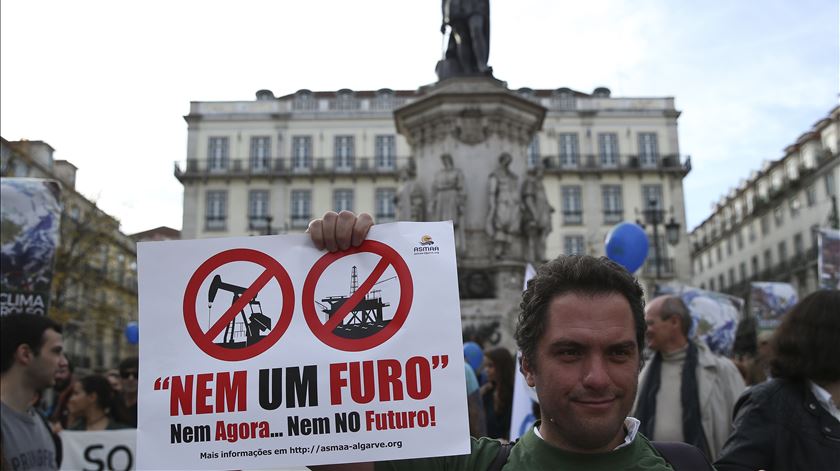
{"x":336,"y":232}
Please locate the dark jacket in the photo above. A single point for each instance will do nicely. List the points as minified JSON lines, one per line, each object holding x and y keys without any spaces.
{"x":779,"y":425}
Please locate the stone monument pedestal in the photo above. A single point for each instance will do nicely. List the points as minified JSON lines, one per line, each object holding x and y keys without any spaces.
{"x":476,"y":119}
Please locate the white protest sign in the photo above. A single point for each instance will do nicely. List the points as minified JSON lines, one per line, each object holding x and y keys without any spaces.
{"x":260,"y":352}
{"x":95,"y":451}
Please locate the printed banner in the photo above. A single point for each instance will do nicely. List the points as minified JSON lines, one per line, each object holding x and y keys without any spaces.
{"x":261,"y":352}
{"x":769,"y":301}
{"x":106,"y":449}
{"x":715,"y":315}
{"x":30,"y":214}
{"x":829,"y":259}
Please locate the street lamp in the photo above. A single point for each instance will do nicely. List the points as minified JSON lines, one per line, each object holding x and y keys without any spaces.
{"x":656,"y":216}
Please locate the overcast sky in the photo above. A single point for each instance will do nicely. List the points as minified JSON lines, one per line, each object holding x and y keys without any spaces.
{"x":107,"y":83}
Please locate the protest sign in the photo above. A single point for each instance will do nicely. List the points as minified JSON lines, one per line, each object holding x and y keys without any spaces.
{"x":105,"y":449}
{"x":714,"y":315}
{"x":263,"y":352}
{"x":770,"y":300}
{"x":30,"y":212}
{"x":828,"y":260}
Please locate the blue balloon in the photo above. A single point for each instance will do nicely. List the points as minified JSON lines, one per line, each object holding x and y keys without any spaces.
{"x":474,"y":355}
{"x":627,"y":245}
{"x":132,"y":333}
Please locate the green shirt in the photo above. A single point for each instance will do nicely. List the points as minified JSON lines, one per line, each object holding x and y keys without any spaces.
{"x":534,"y":453}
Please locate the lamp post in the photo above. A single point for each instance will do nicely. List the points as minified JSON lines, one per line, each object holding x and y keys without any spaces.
{"x":656,"y":216}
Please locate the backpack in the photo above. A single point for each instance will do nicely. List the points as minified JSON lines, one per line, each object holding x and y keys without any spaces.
{"x":681,"y":456}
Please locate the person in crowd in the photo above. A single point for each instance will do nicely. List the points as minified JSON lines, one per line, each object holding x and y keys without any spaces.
{"x":792,"y":421}
{"x":125,"y":406}
{"x":31,"y":351}
{"x":59,"y":415}
{"x":686,"y":393}
{"x":497,"y":393}
{"x":475,"y":408}
{"x":91,"y":402}
{"x":474,"y":356}
{"x":580,"y":330}
{"x":114,"y":378}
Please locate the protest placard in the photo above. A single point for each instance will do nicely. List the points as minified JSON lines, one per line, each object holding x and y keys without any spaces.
{"x":261,"y":352}
{"x":105,"y":449}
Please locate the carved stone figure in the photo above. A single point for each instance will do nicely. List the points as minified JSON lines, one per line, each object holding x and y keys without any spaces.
{"x":503,"y":216}
{"x":536,"y":216}
{"x":410,"y":200}
{"x":449,"y":198}
{"x":469,"y":40}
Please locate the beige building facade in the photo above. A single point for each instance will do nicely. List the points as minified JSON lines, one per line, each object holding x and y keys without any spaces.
{"x":272,"y":164}
{"x":766,"y":228}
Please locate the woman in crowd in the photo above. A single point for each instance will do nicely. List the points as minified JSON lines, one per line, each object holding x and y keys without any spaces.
{"x":497,"y":393}
{"x":91,"y":402}
{"x":792,"y":422}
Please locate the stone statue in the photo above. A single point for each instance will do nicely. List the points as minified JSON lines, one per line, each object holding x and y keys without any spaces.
{"x":503,"y":217}
{"x":449,"y":198}
{"x":469,"y":39}
{"x":410,"y":200}
{"x":536,"y":216}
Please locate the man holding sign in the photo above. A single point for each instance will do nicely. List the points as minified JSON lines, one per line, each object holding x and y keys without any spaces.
{"x":581,"y":332}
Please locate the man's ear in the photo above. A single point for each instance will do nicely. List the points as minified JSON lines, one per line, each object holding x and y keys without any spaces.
{"x":24,"y":354}
{"x":528,"y":372}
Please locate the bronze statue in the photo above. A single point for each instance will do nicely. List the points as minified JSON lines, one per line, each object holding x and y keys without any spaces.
{"x":503,"y":216}
{"x":469,"y":38}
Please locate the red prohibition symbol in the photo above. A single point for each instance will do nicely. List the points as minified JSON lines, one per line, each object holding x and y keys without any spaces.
{"x":243,"y":297}
{"x":369,"y":331}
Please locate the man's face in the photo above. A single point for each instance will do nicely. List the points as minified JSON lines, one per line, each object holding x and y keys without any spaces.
{"x":586,"y":372}
{"x":659,"y":331}
{"x":48,"y":360}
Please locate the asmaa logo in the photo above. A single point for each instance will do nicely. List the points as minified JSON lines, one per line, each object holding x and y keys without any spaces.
{"x":427,"y":246}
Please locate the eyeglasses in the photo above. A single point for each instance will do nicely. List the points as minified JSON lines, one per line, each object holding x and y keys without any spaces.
{"x":128,"y":374}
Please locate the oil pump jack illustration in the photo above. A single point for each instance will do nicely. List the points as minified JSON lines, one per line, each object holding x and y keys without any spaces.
{"x":254,"y":324}
{"x":365,"y":318}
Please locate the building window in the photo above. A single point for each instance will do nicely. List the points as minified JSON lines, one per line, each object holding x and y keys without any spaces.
{"x":703,"y":285}
{"x":572,"y":205}
{"x":652,"y":194}
{"x":260,"y":153}
{"x":301,"y":152}
{"x":301,"y":208}
{"x":608,"y":149}
{"x":216,"y":210}
{"x":573,"y":245}
{"x":742,"y":270}
{"x":722,"y":281}
{"x":648,"y":149}
{"x":793,"y":203}
{"x":344,"y":152}
{"x":569,"y":150}
{"x":613,"y":206}
{"x":711,"y":284}
{"x":343,"y":200}
{"x":798,"y":244}
{"x":768,"y":259}
{"x":830,"y":189}
{"x":257,"y":209}
{"x":533,"y":152}
{"x":719,"y":253}
{"x":731,"y":277}
{"x":751,"y":232}
{"x":728,"y":246}
{"x":779,"y":216}
{"x":811,"y":195}
{"x":385,"y":153}
{"x":739,"y":239}
{"x":217,"y":153}
{"x":765,"y":224}
{"x":783,"y":255}
{"x":754,"y":263}
{"x":386,"y":211}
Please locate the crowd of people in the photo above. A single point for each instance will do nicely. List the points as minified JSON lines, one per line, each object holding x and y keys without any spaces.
{"x":620,"y":385}
{"x":41,"y":395}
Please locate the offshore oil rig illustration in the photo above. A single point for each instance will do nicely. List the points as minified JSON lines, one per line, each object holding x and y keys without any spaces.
{"x":243,"y":333}
{"x":365,"y":319}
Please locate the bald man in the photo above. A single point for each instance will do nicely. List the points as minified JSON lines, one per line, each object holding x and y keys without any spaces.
{"x":686,"y":393}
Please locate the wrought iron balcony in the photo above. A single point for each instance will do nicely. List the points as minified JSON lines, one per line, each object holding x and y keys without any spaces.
{"x":615,"y":163}
{"x":666,"y":267}
{"x":285,"y":167}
